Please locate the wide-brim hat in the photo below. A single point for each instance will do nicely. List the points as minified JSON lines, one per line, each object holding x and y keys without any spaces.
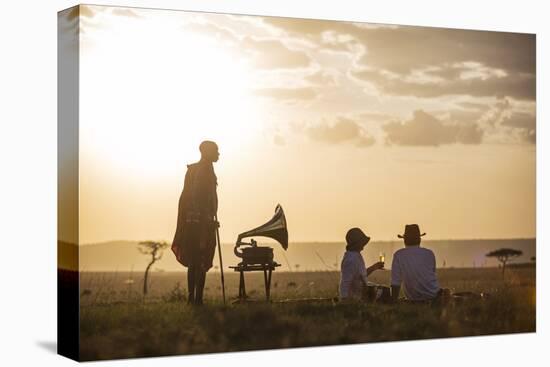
{"x":411,"y":231}
{"x":356,"y":238}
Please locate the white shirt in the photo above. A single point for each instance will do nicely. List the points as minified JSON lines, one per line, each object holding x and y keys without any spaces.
{"x":353,"y":275}
{"x":414,"y":268}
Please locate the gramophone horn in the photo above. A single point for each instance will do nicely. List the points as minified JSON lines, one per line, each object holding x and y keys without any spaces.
{"x":275,"y":228}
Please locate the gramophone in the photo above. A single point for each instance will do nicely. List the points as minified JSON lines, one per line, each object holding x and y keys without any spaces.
{"x":275,"y":228}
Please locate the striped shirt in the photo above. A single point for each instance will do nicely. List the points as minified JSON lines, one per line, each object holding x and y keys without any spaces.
{"x":414,"y":268}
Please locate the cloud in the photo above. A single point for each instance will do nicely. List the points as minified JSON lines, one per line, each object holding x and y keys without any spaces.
{"x":518,"y":86}
{"x":423,"y":129}
{"x":278,"y":139}
{"x":343,"y":130}
{"x":420,"y":47}
{"x":521,"y":120}
{"x":325,"y":35}
{"x":468,"y":133}
{"x":504,"y":62}
{"x":210,"y":29}
{"x":473,"y":106}
{"x":273,"y":54}
{"x":287,"y":94}
{"x":125,"y":12}
{"x":303,"y":27}
{"x":524,"y":123}
{"x":507,"y":121}
{"x":401,"y":49}
{"x":374,"y":117}
{"x":496,"y":112}
{"x":365,"y":141}
{"x":321,"y":78}
{"x":266,"y":53}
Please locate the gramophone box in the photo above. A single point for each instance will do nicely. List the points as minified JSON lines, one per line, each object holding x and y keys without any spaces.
{"x":257,"y":255}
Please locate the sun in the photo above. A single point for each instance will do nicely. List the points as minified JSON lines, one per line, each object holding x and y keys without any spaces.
{"x":151,"y":91}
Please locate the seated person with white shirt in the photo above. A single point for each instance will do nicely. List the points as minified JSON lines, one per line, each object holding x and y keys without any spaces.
{"x":413,"y":267}
{"x":353,"y":278}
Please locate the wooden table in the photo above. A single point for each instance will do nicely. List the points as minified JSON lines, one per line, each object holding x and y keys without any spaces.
{"x":267,"y":268}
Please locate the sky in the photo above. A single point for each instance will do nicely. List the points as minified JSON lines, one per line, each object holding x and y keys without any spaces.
{"x":344,"y":124}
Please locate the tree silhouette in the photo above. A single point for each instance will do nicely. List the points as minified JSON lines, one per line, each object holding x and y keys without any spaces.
{"x":504,"y":255}
{"x":154,"y":249}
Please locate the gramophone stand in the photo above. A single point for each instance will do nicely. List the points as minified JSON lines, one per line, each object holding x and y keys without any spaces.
{"x":267,"y":269}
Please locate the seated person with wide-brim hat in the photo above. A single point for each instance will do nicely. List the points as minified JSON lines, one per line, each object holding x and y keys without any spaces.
{"x":353,"y":280}
{"x":413,"y":268}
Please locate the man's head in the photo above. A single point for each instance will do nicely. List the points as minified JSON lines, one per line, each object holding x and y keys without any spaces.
{"x":356,"y":239}
{"x":209,"y":151}
{"x":412,"y":236}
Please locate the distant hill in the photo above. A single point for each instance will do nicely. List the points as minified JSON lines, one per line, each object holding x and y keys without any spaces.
{"x":67,"y":256}
{"x":124,"y":256}
{"x":118,"y":255}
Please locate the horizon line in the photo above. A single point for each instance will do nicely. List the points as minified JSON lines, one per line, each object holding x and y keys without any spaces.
{"x":183,"y":270}
{"x":338,"y":241}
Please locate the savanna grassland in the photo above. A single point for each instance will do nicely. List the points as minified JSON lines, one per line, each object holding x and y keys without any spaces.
{"x":116,"y":321}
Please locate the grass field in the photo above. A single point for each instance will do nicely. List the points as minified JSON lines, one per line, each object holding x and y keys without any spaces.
{"x":117,"y":322}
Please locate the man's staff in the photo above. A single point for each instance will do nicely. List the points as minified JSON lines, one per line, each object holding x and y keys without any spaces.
{"x":220,"y":254}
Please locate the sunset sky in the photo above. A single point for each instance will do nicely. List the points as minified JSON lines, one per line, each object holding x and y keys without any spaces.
{"x":344,"y":124}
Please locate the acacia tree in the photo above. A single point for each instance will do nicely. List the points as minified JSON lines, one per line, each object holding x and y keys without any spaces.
{"x":504,"y":255}
{"x":153,"y":249}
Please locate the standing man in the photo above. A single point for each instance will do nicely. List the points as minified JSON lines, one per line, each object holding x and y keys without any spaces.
{"x":194,"y":242}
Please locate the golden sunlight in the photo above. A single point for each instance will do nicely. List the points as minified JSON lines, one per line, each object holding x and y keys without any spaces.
{"x":156,"y":92}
